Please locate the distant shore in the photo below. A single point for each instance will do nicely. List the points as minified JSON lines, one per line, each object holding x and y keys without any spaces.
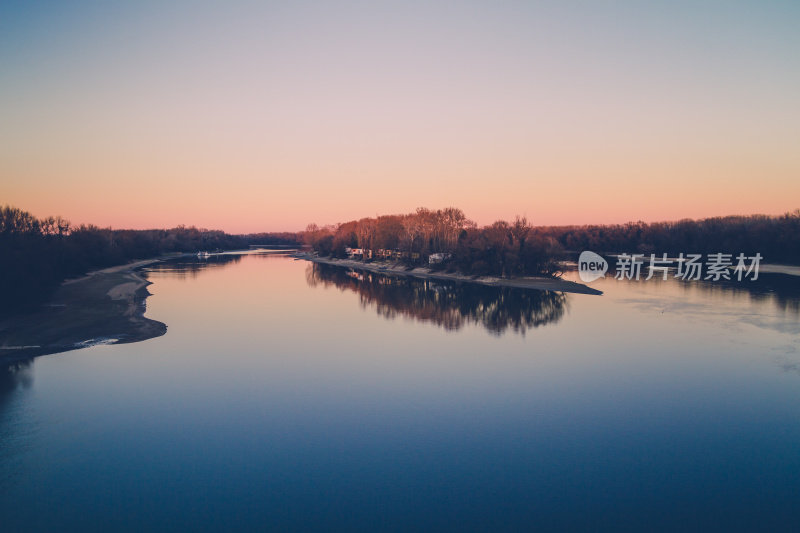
{"x":398,"y":269}
{"x":103,"y":307}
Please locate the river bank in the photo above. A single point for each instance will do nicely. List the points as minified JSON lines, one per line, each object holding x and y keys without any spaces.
{"x":103,"y":307}
{"x":399,"y":269}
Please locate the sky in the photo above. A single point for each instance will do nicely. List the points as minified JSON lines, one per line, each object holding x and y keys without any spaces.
{"x":266,"y":116}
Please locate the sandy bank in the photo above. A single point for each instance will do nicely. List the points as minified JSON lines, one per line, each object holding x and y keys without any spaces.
{"x":104,"y":307}
{"x":398,"y":269}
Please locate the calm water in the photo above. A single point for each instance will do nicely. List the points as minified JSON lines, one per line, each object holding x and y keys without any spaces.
{"x":292,"y":397}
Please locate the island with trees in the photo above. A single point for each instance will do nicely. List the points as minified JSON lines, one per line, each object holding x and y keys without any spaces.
{"x":445,"y":244}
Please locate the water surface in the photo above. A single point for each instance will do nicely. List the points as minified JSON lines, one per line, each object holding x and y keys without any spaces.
{"x":290,"y":396}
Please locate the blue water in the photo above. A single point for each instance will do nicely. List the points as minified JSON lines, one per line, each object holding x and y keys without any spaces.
{"x":291,"y":398}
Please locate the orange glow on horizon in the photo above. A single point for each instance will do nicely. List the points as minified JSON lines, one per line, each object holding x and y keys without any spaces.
{"x":259,"y":118}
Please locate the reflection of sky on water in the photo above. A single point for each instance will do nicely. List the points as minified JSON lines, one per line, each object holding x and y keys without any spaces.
{"x":274,"y":403}
{"x":772,"y":301}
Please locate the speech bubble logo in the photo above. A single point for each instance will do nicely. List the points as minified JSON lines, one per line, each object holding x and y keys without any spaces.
{"x":591,"y":266}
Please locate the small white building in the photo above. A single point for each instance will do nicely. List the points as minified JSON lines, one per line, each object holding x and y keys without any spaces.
{"x":438,"y":258}
{"x":352,"y":252}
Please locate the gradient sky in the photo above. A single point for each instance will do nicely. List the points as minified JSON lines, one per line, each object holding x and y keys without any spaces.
{"x":253,"y":116}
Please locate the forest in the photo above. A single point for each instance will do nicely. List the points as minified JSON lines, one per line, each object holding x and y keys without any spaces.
{"x":776,"y":238}
{"x":519,"y":248}
{"x":503,"y":248}
{"x":36,"y":255}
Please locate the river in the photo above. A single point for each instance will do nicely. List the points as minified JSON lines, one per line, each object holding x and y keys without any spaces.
{"x":289,"y":396}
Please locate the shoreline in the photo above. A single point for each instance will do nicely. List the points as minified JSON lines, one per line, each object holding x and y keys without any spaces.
{"x":397,"y":269}
{"x":105,"y":306}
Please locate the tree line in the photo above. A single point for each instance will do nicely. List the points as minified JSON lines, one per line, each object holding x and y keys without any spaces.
{"x":503,"y":248}
{"x":37,"y":254}
{"x":518,"y":248}
{"x":776,"y":238}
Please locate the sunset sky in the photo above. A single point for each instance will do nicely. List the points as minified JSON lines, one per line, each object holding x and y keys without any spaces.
{"x":265,"y":116}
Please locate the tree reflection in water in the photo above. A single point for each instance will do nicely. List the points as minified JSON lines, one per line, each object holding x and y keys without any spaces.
{"x":447,"y":304}
{"x":13,"y":375}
